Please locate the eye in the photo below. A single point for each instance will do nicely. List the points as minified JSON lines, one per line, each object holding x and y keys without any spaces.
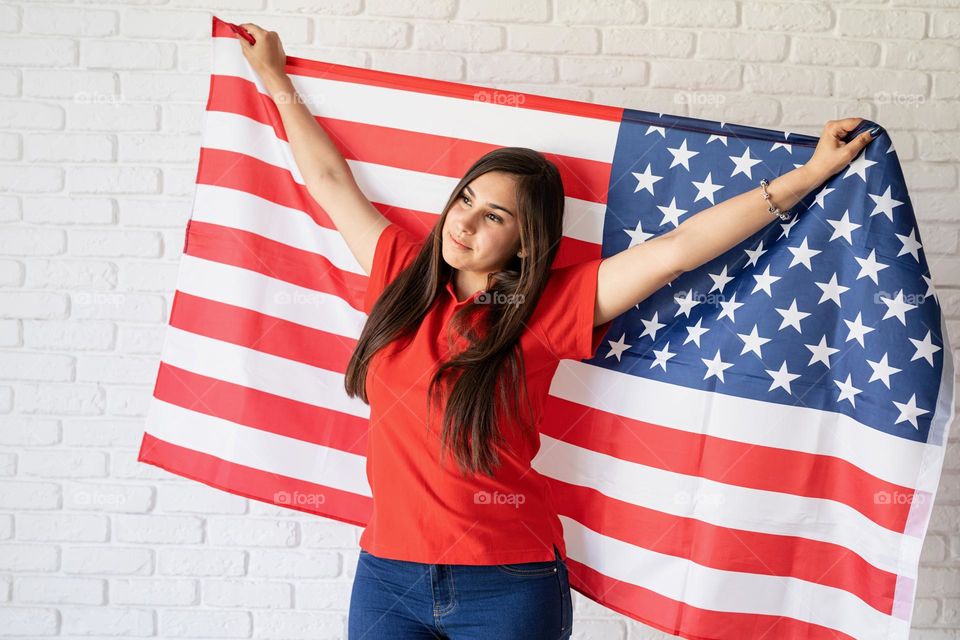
{"x":466,"y":201}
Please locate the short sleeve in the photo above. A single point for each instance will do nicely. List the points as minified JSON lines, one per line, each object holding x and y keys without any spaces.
{"x":564,"y":314}
{"x":396,"y":248}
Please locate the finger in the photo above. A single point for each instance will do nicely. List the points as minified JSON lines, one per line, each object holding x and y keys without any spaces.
{"x":849,"y":124}
{"x":243,"y":37}
{"x":860,"y":142}
{"x":835,"y":131}
{"x":254,"y":29}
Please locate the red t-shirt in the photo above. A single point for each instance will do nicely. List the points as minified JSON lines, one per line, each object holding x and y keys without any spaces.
{"x":425,"y":512}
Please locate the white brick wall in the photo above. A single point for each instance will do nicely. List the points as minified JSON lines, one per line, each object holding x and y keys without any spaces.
{"x":100,"y":106}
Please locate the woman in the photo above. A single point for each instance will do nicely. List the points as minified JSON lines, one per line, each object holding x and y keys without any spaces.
{"x":473,"y":548}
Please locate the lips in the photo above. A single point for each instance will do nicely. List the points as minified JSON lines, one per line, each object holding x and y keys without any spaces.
{"x":461,"y":245}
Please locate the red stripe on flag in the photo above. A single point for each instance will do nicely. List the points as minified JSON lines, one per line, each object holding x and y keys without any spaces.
{"x":261,"y":410}
{"x":255,"y":484}
{"x":250,"y":175}
{"x":731,"y":462}
{"x":415,"y":151}
{"x":264,"y":333}
{"x":772,"y":554}
{"x":241,"y":172}
{"x":373,"y":77}
{"x":254,"y":252}
{"x":274,"y":259}
{"x":729,"y":549}
{"x":675,"y":617}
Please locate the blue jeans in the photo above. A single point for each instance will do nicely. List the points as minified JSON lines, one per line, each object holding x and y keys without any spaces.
{"x":401,"y":600}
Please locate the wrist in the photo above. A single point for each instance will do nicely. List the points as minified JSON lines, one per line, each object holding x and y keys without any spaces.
{"x":814,"y":176}
{"x":277,"y":83}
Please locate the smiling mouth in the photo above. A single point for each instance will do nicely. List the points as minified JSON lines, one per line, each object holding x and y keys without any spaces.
{"x":459,"y":244}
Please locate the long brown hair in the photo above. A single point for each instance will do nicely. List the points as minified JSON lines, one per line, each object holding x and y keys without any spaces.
{"x":470,"y":423}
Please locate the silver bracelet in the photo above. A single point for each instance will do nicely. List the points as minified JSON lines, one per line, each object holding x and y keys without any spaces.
{"x":783,"y":215}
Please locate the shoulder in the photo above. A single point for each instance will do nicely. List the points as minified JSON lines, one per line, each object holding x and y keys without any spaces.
{"x":396,"y":249}
{"x":395,"y":239}
{"x":563,"y":317}
{"x":573,"y":282}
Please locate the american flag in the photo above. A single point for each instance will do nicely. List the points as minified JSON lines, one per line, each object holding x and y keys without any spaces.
{"x":752,"y":453}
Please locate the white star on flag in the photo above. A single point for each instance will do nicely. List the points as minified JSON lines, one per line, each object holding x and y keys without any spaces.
{"x":744,"y":163}
{"x":831,"y":290}
{"x":897,"y":307}
{"x":885,"y":204}
{"x":646,"y":180}
{"x":782,"y":378}
{"x":716,"y":367}
{"x":821,"y":352}
{"x":753,"y":342}
{"x":791,"y":316}
{"x":706,"y":189}
{"x":843,"y":228}
{"x":857,"y":329}
{"x":617,"y":347}
{"x":882,"y":371}
{"x":925,"y":349}
{"x":847,"y":391}
{"x":909,"y":411}
{"x":682,"y":155}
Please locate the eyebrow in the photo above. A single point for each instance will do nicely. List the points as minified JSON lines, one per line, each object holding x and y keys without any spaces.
{"x":490,"y":204}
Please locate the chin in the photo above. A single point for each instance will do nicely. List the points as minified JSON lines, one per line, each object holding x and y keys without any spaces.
{"x":445,"y":254}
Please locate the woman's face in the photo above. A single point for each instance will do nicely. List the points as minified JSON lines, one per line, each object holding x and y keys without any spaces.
{"x":483,"y":218}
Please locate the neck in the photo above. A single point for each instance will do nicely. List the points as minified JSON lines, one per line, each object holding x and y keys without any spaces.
{"x":467,"y":283}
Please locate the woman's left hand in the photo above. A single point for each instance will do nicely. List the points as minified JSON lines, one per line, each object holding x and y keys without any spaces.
{"x":832,"y":153}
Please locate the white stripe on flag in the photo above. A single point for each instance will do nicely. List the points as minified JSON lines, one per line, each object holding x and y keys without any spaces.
{"x":262,"y":371}
{"x":286,"y":225}
{"x":725,"y":505}
{"x":738,"y":507}
{"x":386,"y":185}
{"x":258,"y":449}
{"x":496,"y":124}
{"x":269,"y":296}
{"x":719,"y":590}
{"x":886,"y":457}
{"x":786,"y":427}
{"x":234,"y":132}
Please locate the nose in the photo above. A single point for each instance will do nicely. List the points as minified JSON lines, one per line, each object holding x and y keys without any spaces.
{"x":465,"y":224}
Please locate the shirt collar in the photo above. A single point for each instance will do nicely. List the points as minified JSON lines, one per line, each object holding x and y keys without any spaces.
{"x":453,"y":292}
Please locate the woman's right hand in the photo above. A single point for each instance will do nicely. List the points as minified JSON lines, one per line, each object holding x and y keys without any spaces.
{"x":266,"y":55}
{"x":832,"y":153}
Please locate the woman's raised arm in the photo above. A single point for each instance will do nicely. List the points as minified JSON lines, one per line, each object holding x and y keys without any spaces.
{"x":627,"y":278}
{"x":325,"y":171}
